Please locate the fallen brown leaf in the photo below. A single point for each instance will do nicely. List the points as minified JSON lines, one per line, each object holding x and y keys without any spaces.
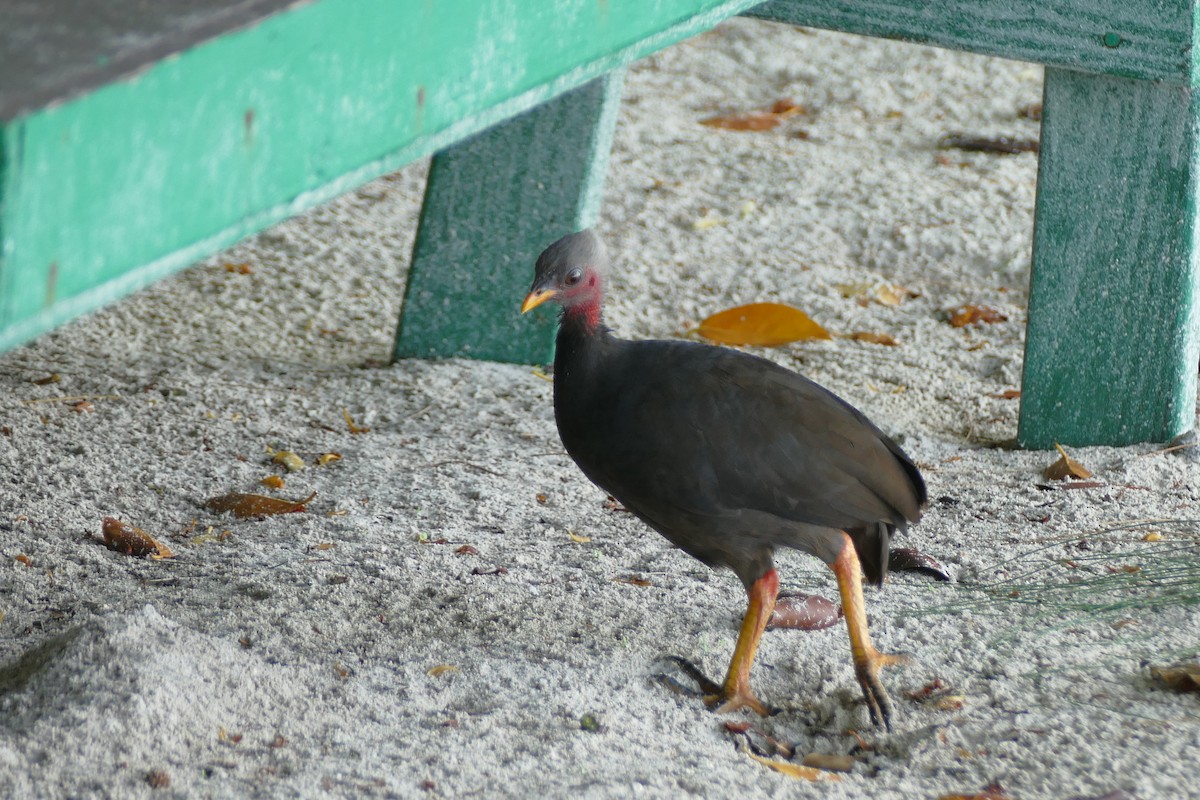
{"x":756,"y":121}
{"x":633,"y":580}
{"x":761,"y":325}
{"x":132,"y":541}
{"x":1065,"y":467}
{"x":744,"y":122}
{"x":1180,"y":678}
{"x":909,"y":559}
{"x":256,"y":505}
{"x":875,"y":338}
{"x":273,"y":482}
{"x":971,"y":314}
{"x":158,"y":779}
{"x":786,"y":106}
{"x":993,"y":791}
{"x":1003,"y":145}
{"x":805,"y":612}
{"x":1007,"y":394}
{"x":1031,"y":111}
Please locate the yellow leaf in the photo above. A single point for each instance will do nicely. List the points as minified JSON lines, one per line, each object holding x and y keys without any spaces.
{"x":350,"y":423}
{"x":889,"y":294}
{"x":441,"y":669}
{"x":577,"y":539}
{"x":707,"y":221}
{"x":289,"y":460}
{"x":796,"y":770}
{"x":744,"y":122}
{"x":761,"y":324}
{"x":855,"y":289}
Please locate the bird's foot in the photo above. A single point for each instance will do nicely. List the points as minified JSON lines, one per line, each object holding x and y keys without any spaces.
{"x":866,"y":669}
{"x":726,"y":702}
{"x":721,"y":699}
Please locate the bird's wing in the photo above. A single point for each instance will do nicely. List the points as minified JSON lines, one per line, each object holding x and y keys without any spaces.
{"x":711,"y":430}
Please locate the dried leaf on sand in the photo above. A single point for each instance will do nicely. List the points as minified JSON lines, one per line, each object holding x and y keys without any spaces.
{"x":1065,"y":467}
{"x":131,"y":540}
{"x":971,"y":314}
{"x":256,"y":505}
{"x":761,"y":325}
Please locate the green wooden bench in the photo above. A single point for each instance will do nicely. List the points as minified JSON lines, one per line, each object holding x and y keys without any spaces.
{"x":133,"y":144}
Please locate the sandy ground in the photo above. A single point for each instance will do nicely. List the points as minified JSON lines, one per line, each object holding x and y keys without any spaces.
{"x":460,"y":615}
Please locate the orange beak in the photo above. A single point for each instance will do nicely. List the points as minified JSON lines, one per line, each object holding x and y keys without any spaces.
{"x":536,"y":298}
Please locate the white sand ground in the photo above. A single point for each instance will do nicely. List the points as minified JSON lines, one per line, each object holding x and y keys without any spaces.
{"x":309,"y":639}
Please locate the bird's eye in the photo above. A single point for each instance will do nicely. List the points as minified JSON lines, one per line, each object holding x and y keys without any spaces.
{"x":573,"y":277}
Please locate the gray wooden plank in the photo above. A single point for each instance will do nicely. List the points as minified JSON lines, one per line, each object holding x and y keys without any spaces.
{"x":53,"y":50}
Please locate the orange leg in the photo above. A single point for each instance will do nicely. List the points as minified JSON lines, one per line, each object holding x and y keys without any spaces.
{"x":867,"y":660}
{"x":736,"y":694}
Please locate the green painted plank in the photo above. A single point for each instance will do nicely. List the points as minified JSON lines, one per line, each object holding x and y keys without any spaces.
{"x":1146,"y":39}
{"x":1111,"y":343}
{"x":132,"y":181}
{"x":492,"y":204}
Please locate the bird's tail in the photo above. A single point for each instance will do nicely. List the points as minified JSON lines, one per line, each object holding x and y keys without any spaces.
{"x":872,"y":543}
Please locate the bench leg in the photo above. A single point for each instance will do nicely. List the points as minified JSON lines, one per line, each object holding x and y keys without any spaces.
{"x":492,"y":203}
{"x":1111,"y":345}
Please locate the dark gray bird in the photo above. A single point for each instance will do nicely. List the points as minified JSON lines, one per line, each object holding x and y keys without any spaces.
{"x":729,"y":456}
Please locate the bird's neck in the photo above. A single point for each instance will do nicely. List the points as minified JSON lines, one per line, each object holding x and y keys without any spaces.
{"x":581,"y":340}
{"x":583,"y":319}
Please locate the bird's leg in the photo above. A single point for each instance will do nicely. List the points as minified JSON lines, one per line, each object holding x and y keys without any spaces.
{"x":736,"y":693}
{"x":867,"y":660}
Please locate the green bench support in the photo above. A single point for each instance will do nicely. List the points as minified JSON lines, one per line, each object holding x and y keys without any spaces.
{"x":495,"y":201}
{"x":1111,"y":342}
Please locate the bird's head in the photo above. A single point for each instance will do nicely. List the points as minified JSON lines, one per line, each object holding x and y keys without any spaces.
{"x":571,"y":272}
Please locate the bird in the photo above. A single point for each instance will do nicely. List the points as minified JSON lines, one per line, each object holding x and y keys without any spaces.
{"x":729,"y":456}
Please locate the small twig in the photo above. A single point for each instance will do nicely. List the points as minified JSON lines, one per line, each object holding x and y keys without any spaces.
{"x":479,"y":467}
{"x":73,"y":398}
{"x":1170,"y":449}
